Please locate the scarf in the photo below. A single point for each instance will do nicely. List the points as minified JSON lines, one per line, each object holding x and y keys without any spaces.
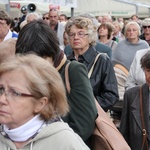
{"x":26,"y":131}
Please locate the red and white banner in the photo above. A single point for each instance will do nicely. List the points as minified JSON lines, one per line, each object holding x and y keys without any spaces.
{"x":15,"y":5}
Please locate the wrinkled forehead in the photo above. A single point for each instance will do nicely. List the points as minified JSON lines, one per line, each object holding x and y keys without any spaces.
{"x":46,"y":15}
{"x":53,"y":13}
{"x":132,"y":26}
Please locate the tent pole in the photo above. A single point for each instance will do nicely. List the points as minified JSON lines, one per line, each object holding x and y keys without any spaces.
{"x":137,"y":10}
{"x":72,"y":11}
{"x":7,"y":6}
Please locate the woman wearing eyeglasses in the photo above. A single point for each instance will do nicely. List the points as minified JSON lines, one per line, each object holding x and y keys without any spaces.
{"x":82,"y":35}
{"x":32,"y":101}
{"x":146,"y":30}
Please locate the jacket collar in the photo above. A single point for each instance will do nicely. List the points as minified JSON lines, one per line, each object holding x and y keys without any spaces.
{"x":87,"y":56}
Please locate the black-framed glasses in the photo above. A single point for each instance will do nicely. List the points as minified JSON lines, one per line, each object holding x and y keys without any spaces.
{"x":80,"y":34}
{"x":12,"y":93}
{"x":146,"y":27}
{"x":45,"y":18}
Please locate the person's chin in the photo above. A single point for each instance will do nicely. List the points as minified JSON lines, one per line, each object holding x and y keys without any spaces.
{"x":76,"y":47}
{"x":3,"y":119}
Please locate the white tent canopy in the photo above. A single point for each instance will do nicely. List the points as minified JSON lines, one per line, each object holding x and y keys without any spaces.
{"x":96,"y":7}
{"x":142,"y":6}
{"x":114,"y":7}
{"x":100,"y":7}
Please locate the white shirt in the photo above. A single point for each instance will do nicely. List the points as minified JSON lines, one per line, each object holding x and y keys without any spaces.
{"x":8,"y":36}
{"x":136,"y":74}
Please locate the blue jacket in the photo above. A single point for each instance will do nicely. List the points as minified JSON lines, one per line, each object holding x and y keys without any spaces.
{"x":14,"y":35}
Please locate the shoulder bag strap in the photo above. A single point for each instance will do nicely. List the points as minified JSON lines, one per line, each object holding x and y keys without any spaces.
{"x":144,"y":133}
{"x":67,"y":74}
{"x":67,"y":78}
{"x":112,"y":43}
{"x":91,"y":70}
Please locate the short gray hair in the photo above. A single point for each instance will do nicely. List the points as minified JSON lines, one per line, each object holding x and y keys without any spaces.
{"x":83,"y":23}
{"x":37,"y":16}
{"x":146,"y":22}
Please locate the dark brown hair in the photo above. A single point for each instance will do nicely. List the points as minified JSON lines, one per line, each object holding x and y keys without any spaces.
{"x":109,"y":26}
{"x":145,"y":61}
{"x":5,"y":16}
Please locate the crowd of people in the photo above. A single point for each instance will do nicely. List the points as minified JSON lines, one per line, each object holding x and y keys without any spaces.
{"x":34,"y":53}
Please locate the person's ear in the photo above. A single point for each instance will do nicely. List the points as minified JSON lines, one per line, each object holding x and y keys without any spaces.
{"x":41,"y":104}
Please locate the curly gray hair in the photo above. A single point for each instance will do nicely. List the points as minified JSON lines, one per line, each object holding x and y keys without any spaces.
{"x":83,"y":23}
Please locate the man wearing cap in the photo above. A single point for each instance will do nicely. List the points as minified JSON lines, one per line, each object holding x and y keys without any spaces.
{"x":146,"y":30}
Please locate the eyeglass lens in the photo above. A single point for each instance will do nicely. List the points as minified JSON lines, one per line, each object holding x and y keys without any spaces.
{"x":13,"y":93}
{"x":80,"y":34}
{"x":146,"y":27}
{"x":45,"y":18}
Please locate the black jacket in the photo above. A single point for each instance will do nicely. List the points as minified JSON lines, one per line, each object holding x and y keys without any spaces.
{"x":103,"y":79}
{"x":142,"y":37}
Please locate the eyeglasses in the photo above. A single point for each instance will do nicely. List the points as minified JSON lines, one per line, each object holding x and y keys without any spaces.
{"x":146,"y":27}
{"x":45,"y":18}
{"x":13,"y":94}
{"x":80,"y":34}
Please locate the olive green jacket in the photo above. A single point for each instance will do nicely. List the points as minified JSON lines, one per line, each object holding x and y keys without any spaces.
{"x":83,"y":111}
